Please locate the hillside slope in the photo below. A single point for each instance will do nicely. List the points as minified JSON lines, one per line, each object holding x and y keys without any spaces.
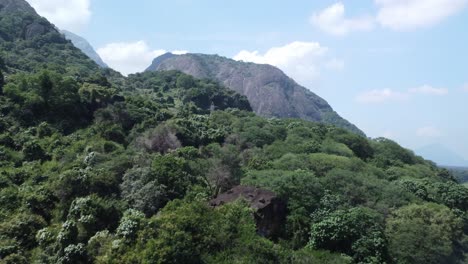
{"x":85,"y":47}
{"x":270,"y":92}
{"x":29,"y":42}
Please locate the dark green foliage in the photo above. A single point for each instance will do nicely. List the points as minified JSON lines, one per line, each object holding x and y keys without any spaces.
{"x":185,"y":81}
{"x":2,"y":81}
{"x":461,"y":174}
{"x":357,"y":232}
{"x":359,"y":145}
{"x":50,"y":97}
{"x":389,"y":153}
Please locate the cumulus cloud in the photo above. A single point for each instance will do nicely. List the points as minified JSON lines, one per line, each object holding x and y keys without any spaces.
{"x":130,"y":57}
{"x":385,"y":95}
{"x":380,"y":96}
{"x":333,"y":20}
{"x":404,"y":15}
{"x":285,"y":55}
{"x":179,"y":52}
{"x":428,"y":90}
{"x":428,"y":131}
{"x":66,"y":14}
{"x":300,"y":60}
{"x":398,"y":15}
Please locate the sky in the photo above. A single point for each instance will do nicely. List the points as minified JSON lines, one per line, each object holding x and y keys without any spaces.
{"x":394,"y":68}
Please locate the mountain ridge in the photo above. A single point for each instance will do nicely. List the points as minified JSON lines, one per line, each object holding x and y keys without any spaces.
{"x":270,"y":91}
{"x":82,"y":44}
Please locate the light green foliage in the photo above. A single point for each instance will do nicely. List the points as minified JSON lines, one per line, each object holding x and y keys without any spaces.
{"x":427,"y":233}
{"x":335,"y":148}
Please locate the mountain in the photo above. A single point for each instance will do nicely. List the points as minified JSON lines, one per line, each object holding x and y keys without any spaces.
{"x":7,"y":6}
{"x":270,"y":92}
{"x":85,"y":47}
{"x":30,"y":43}
{"x":442,"y":155}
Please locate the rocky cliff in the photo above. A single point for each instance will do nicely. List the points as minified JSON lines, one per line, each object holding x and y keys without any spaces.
{"x":271,"y":92}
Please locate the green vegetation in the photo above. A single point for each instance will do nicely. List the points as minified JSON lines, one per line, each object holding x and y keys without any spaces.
{"x":94,"y":170}
{"x":459,"y":173}
{"x":90,"y":174}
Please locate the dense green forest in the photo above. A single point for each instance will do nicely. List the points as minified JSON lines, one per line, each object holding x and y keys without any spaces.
{"x":460,"y":173}
{"x":98,"y":168}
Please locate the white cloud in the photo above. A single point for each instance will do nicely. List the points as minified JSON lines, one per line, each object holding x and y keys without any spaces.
{"x":429,"y":90}
{"x":301,"y":60}
{"x":130,"y":57}
{"x":285,"y":55}
{"x":65,"y":14}
{"x":380,"y":96}
{"x":332,"y":20}
{"x":399,"y":15}
{"x":179,"y":52}
{"x":428,"y":131}
{"x":405,"y":15}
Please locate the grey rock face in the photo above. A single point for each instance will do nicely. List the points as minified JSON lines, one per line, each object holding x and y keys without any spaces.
{"x":15,"y":6}
{"x":269,"y":210}
{"x":271,"y":92}
{"x":33,"y":30}
{"x":85,"y":47}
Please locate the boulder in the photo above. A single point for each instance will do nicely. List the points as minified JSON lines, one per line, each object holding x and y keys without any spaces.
{"x":270,"y":210}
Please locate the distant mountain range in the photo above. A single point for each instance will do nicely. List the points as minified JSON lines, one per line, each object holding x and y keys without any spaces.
{"x":85,"y":47}
{"x":270,"y":92}
{"x":442,"y":155}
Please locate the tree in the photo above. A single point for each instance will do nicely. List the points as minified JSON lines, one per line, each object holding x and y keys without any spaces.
{"x":45,"y":87}
{"x":357,"y":232}
{"x":185,"y":81}
{"x":427,"y":233}
{"x":161,"y":139}
{"x":195,"y":233}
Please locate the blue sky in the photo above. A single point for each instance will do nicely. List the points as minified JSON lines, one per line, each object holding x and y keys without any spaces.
{"x":395,"y":68}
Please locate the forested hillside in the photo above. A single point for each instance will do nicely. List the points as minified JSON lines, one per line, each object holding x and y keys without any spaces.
{"x":98,"y":168}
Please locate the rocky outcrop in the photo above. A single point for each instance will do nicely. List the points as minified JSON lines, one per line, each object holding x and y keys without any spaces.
{"x":9,"y":6}
{"x":33,"y":30}
{"x":85,"y":47}
{"x":270,"y":210}
{"x":271,"y":93}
